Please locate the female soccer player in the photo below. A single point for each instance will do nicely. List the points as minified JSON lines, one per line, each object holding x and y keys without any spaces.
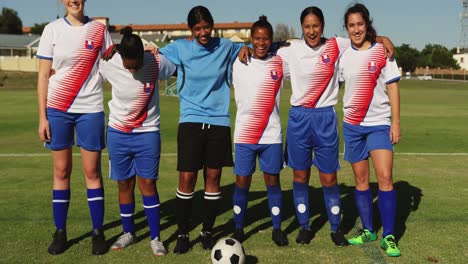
{"x":204,"y":134}
{"x":310,"y":63}
{"x":133,"y":132}
{"x":371,"y":123}
{"x":258,"y":129}
{"x":69,"y":99}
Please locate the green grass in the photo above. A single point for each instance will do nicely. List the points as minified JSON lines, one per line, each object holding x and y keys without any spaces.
{"x":431,"y":189}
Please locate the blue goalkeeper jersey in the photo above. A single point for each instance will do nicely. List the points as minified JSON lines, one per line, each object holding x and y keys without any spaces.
{"x":203,"y":80}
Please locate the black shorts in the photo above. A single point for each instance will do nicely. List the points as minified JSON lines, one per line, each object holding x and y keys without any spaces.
{"x":202,"y":145}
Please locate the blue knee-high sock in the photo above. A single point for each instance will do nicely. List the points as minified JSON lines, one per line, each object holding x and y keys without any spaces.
{"x":240,"y":205}
{"x":126,"y":214}
{"x":275,"y":198}
{"x":60,"y":203}
{"x":331,"y":196}
{"x":364,"y":206}
{"x":96,"y":206}
{"x":387,"y":208}
{"x":301,"y":201}
{"x":151,"y":205}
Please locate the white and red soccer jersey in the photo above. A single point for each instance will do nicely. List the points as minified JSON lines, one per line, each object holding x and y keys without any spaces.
{"x":76,"y":86}
{"x":135,"y":97}
{"x":366,"y":74}
{"x":256,"y":89}
{"x":314,"y":80}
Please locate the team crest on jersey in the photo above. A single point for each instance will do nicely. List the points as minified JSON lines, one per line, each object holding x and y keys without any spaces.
{"x":372,"y":66}
{"x":274,"y":75}
{"x":89,"y":44}
{"x":325,"y":58}
{"x":149,"y":87}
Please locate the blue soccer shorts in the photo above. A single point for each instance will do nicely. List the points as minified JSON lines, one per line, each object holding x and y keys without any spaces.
{"x":89,"y":130}
{"x":361,"y":140}
{"x":133,"y":154}
{"x":312,"y":132}
{"x":270,"y":158}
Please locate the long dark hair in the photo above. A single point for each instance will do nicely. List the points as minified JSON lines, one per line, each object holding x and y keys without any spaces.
{"x":362,"y":10}
{"x":198,"y":14}
{"x":130,"y":46}
{"x":262,"y":22}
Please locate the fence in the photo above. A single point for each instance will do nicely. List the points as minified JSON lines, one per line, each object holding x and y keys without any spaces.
{"x":445,"y":74}
{"x":21,"y":64}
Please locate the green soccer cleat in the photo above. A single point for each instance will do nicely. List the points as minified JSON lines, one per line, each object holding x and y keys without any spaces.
{"x":389,"y":245}
{"x":362,"y":237}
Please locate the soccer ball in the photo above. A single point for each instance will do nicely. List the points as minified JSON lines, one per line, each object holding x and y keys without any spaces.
{"x":228,"y":251}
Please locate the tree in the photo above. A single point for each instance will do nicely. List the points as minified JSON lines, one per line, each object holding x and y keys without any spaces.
{"x":437,"y":56}
{"x":38,"y":28}
{"x":10,"y":23}
{"x":407,"y":57}
{"x":283,"y":32}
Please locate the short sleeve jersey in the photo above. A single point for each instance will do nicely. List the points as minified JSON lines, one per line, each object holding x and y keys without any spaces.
{"x":203,"y":78}
{"x":313,"y":71}
{"x":257,"y":89}
{"x":75,"y":86}
{"x":366,"y":74}
{"x":134,"y":106}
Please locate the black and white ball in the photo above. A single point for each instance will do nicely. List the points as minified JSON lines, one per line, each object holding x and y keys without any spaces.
{"x":228,"y":251}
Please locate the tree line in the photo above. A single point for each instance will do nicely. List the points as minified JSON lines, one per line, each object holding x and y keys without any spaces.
{"x":432,"y":55}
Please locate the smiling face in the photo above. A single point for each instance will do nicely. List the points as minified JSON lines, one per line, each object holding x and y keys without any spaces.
{"x":74,"y":8}
{"x":312,"y":29}
{"x":261,"y":42}
{"x":357,"y":30}
{"x":202,"y":32}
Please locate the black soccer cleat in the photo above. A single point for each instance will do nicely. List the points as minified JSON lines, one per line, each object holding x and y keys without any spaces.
{"x":305,"y":236}
{"x":182,"y":245}
{"x":338,"y":238}
{"x":279,"y":237}
{"x":206,"y":240}
{"x":239,"y":235}
{"x":59,"y":242}
{"x":99,"y":244}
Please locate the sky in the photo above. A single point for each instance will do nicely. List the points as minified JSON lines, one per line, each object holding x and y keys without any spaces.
{"x":414,"y":22}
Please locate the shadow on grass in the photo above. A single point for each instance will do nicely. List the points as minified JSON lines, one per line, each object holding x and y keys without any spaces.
{"x":258,"y":215}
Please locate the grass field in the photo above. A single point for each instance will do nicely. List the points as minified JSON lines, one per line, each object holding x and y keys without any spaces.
{"x":430,"y":175}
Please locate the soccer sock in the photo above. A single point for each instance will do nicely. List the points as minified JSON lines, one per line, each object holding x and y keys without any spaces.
{"x":211,"y":210}
{"x":275,"y":198}
{"x":151,"y":205}
{"x":60,"y":203}
{"x":240,"y":205}
{"x":364,"y":206}
{"x":183,"y":211}
{"x":96,"y":206}
{"x":387,"y":208}
{"x":332,"y":198}
{"x":126,"y":214}
{"x":301,"y":201}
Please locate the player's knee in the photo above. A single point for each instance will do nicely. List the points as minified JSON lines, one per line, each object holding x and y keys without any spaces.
{"x":92,"y":174}
{"x":62,"y":173}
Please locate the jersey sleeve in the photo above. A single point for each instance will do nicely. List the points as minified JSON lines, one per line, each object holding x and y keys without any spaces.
{"x":236,"y":47}
{"x":391,"y":73}
{"x":45,"y":49}
{"x":107,"y":41}
{"x":283,"y":53}
{"x":166,"y":68}
{"x":171,"y":52}
{"x":343,"y":44}
{"x":103,"y":69}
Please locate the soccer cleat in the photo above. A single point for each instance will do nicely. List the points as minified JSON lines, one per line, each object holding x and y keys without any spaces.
{"x":390,"y":246}
{"x":338,"y":238}
{"x":279,"y":237}
{"x":182,"y":245}
{"x":362,"y":237}
{"x":206,"y":240}
{"x":59,"y":242}
{"x":124,"y":241}
{"x":158,"y":247}
{"x":99,"y":245}
{"x":305,"y":236}
{"x":239,"y":235}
